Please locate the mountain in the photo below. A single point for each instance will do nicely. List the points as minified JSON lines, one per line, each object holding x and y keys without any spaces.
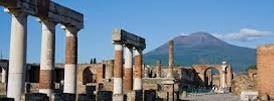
{"x":201,"y":48}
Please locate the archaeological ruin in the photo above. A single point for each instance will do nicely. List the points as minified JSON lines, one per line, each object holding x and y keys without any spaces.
{"x":265,"y":66}
{"x":125,"y":77}
{"x":113,"y":80}
{"x":49,"y":14}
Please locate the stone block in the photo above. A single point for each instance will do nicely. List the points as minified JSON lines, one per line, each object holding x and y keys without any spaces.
{"x":104,"y":96}
{"x":36,"y":97}
{"x":150,"y":95}
{"x":118,"y":97}
{"x":249,"y":95}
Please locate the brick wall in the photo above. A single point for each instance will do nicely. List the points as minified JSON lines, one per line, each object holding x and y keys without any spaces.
{"x":265,"y":65}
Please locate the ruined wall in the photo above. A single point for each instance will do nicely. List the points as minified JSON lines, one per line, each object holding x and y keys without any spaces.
{"x":265,"y":65}
{"x":88,"y":74}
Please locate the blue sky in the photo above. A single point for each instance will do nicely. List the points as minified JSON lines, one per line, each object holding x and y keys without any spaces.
{"x":245,"y":23}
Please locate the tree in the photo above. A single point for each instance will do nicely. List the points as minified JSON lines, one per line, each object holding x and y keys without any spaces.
{"x":94,"y":61}
{"x":251,"y":67}
{"x":91,"y":61}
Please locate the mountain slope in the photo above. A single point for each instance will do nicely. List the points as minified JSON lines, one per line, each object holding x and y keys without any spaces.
{"x":199,"y":48}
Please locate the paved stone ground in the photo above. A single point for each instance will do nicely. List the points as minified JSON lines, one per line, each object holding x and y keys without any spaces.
{"x":213,"y":97}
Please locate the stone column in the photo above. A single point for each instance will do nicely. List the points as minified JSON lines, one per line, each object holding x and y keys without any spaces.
{"x":4,"y":75}
{"x":17,"y":62}
{"x":71,"y":60}
{"x":138,"y":70}
{"x":229,"y":76}
{"x":118,"y":69}
{"x":170,"y":58}
{"x":223,"y":75}
{"x":128,"y":70}
{"x":158,"y":68}
{"x":46,"y":81}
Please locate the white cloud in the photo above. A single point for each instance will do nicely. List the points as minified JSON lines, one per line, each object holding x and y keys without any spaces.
{"x":245,"y":34}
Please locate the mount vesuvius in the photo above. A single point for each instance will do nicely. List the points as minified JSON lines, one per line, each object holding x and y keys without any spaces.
{"x":203,"y":48}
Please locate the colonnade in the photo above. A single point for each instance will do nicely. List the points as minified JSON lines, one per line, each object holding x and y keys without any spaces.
{"x":126,"y":78}
{"x":49,"y":15}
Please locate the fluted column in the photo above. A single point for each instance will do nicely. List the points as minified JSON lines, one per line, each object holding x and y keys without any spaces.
{"x":71,"y":60}
{"x":47,"y":61}
{"x":118,"y":69}
{"x":171,"y":59}
{"x":17,"y":60}
{"x":128,"y":70}
{"x":138,"y":70}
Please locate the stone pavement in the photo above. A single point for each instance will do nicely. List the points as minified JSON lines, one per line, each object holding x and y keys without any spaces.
{"x":213,"y":97}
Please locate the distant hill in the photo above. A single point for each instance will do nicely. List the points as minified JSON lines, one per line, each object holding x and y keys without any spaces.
{"x":201,"y":48}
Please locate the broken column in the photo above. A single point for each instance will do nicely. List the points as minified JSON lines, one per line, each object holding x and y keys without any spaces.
{"x":158,"y":68}
{"x":128,"y":70}
{"x":138,"y":70}
{"x":17,"y":62}
{"x":46,"y":81}
{"x":71,"y":60}
{"x":118,"y":69}
{"x":171,"y":59}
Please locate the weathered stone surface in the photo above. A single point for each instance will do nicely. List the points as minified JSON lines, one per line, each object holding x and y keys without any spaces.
{"x":49,"y":10}
{"x":118,"y":64}
{"x":138,"y":66}
{"x":265,"y":65}
{"x":242,"y":82}
{"x":170,"y":58}
{"x":120,"y":35}
{"x":127,"y":80}
{"x":249,"y":95}
{"x":71,"y":50}
{"x":17,"y":60}
{"x":46,"y":79}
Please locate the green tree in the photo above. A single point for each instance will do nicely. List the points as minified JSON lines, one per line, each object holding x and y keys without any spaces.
{"x":251,"y":67}
{"x":94,"y":61}
{"x":91,"y":61}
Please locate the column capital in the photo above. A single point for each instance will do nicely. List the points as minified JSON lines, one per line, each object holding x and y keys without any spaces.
{"x":71,"y":31}
{"x":16,"y":12}
{"x":138,"y":52}
{"x":138,"y":49}
{"x":129,"y":46}
{"x":47,"y":21}
{"x":70,"y":28}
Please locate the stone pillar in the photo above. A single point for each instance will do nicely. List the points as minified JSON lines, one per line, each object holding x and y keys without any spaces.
{"x":118,"y":69}
{"x":223,"y":75}
{"x":146,"y":71}
{"x":109,"y":69}
{"x":222,"y":79}
{"x":170,"y":58}
{"x":138,"y":70}
{"x":17,"y":62}
{"x":158,"y":69}
{"x":46,"y":81}
{"x":4,"y":75}
{"x":229,"y":76}
{"x":128,"y":70}
{"x":71,"y":60}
